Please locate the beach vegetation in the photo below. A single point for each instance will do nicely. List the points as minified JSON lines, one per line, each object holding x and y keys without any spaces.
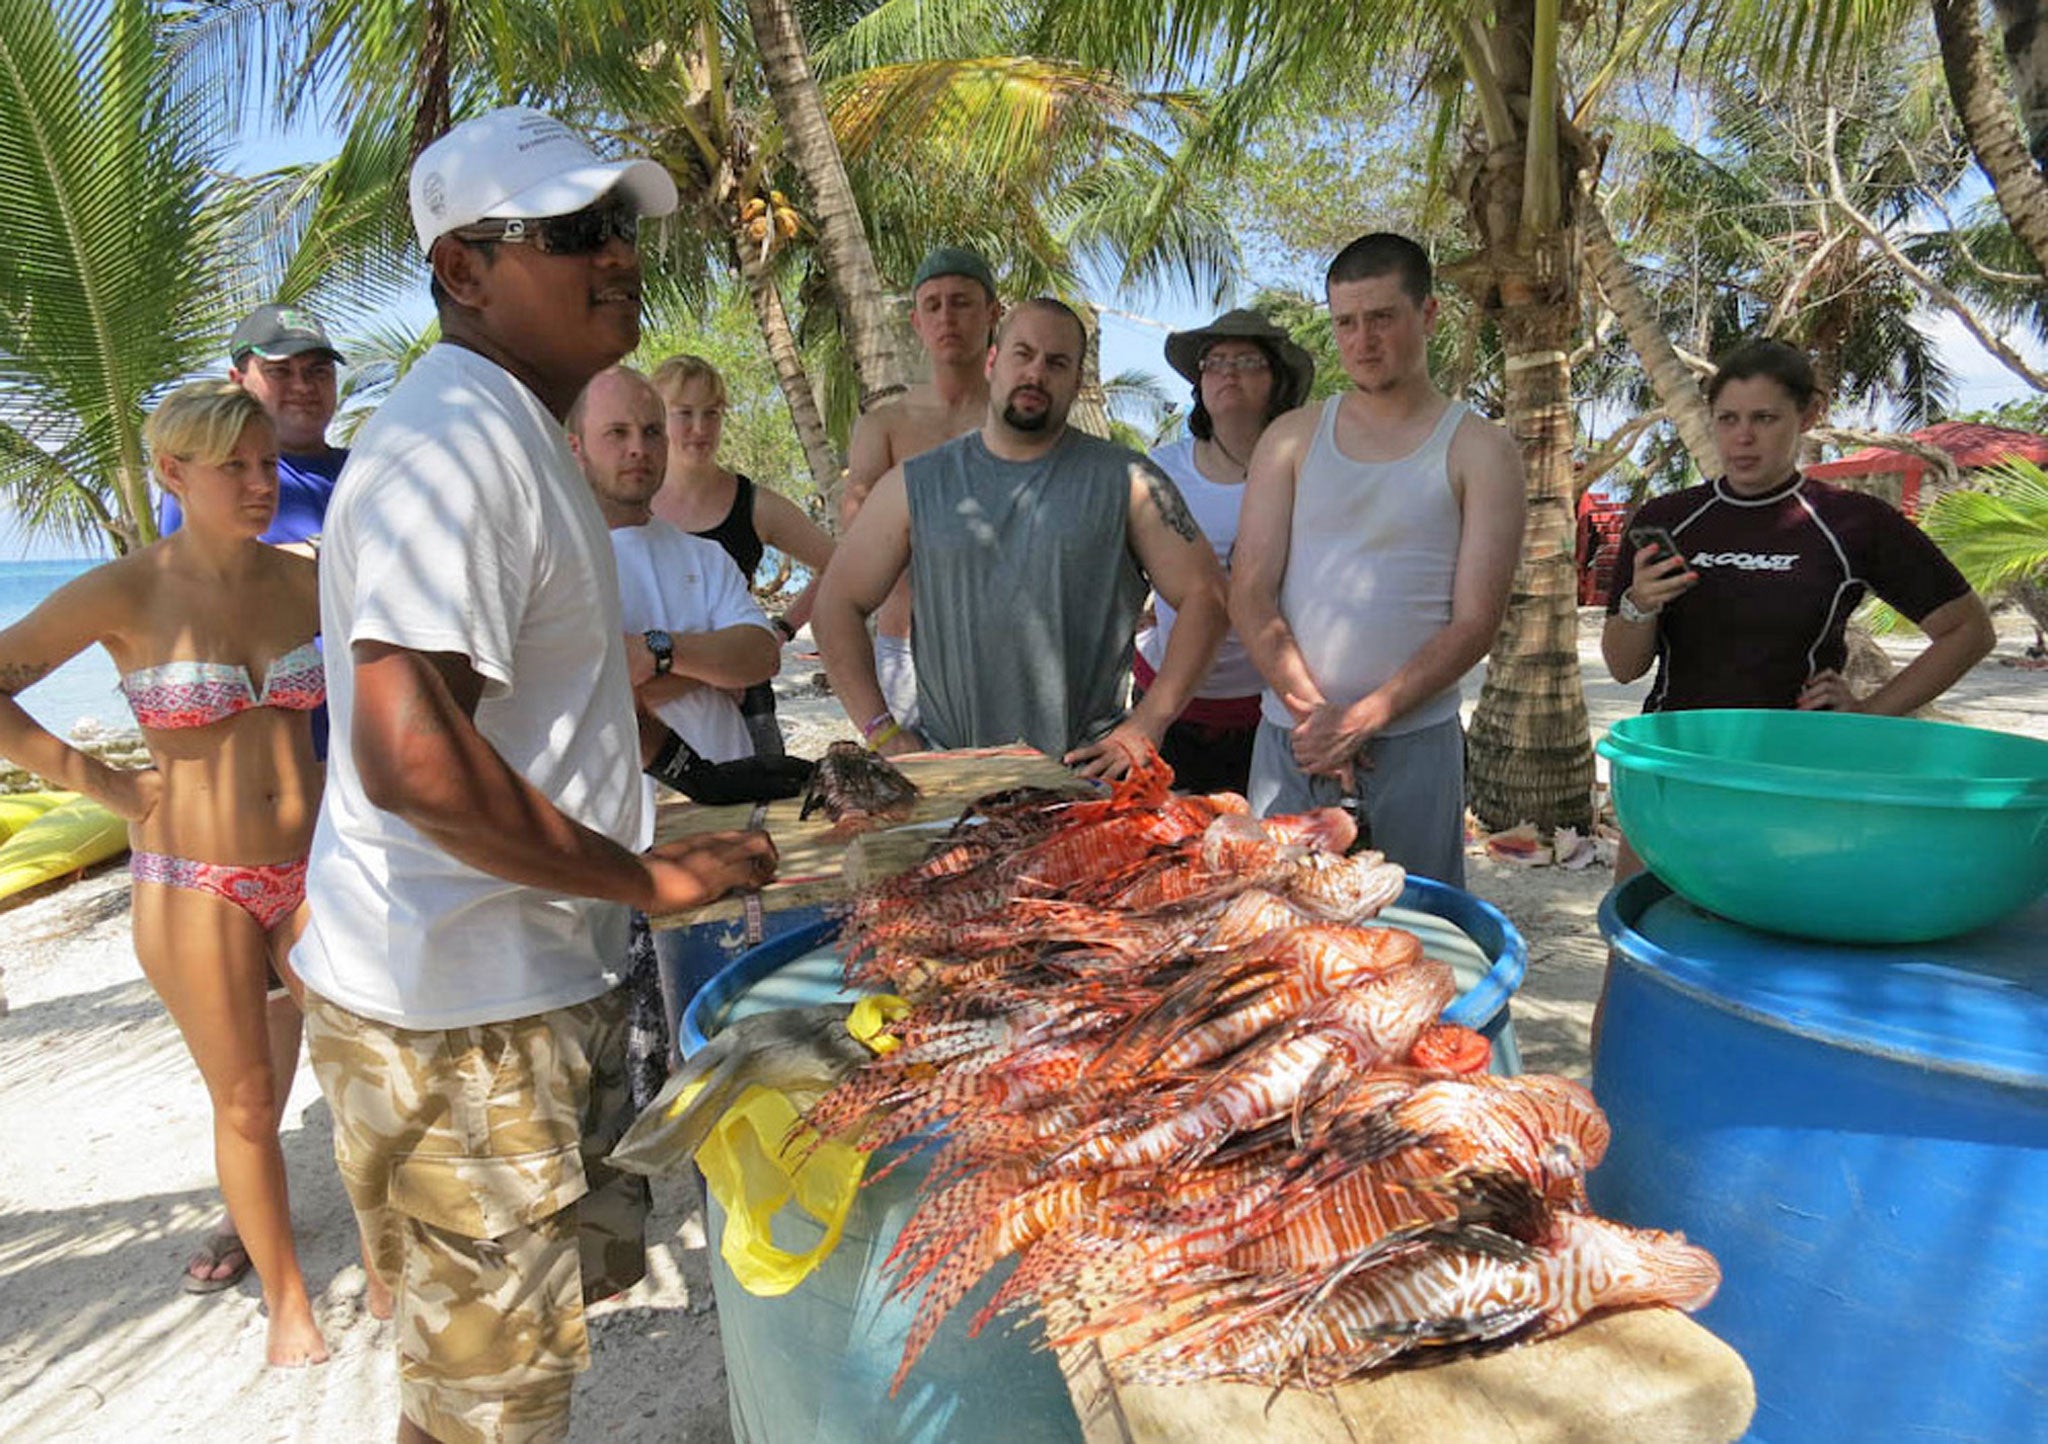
{"x":116,"y":276}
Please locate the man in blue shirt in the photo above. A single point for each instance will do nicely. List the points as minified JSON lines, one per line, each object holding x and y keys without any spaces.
{"x":282,"y":357}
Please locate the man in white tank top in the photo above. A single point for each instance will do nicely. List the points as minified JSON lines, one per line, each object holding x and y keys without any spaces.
{"x":1378,"y":540}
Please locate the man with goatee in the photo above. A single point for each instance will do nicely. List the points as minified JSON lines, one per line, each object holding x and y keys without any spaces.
{"x":1030,"y":548}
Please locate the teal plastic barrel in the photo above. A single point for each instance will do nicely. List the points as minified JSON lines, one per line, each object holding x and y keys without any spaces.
{"x":813,"y":1366}
{"x":1835,"y":826}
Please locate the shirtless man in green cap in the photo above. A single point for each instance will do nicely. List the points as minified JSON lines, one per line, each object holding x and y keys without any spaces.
{"x":953,"y":311}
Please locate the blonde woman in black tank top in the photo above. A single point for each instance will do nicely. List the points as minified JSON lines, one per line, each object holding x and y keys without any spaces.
{"x":702,"y":496}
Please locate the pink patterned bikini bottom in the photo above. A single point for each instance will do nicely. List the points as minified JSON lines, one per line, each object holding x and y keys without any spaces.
{"x":266,"y":891}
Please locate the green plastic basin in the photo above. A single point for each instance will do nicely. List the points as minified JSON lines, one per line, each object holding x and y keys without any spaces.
{"x":1832,"y":825}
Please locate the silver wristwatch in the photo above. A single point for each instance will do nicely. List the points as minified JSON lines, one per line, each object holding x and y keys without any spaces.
{"x":1630,"y":612}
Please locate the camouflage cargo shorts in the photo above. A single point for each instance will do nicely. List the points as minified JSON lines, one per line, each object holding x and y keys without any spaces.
{"x":473,"y":1157}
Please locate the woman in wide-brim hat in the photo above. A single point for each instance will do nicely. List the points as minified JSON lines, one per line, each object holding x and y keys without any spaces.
{"x":1246,"y":371}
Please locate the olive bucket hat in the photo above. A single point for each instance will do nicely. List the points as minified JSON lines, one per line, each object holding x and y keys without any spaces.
{"x":1298,"y":369}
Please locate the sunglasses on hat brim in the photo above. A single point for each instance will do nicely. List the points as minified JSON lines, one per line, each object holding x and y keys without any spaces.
{"x":579,"y":233}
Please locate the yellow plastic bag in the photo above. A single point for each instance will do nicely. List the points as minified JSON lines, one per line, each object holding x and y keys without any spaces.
{"x":758,"y":1159}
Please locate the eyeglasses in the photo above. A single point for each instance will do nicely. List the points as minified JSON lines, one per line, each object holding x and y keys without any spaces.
{"x":580,"y":233}
{"x":1223,"y":365}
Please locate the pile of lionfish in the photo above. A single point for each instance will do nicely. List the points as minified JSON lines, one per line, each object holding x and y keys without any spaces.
{"x":1156,"y":1054}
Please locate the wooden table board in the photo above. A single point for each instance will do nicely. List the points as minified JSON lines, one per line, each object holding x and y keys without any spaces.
{"x":813,"y":867}
{"x":1644,"y":1376}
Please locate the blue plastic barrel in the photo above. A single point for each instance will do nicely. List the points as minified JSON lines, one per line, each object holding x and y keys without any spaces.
{"x":812,"y":1367}
{"x":1475,"y":937}
{"x":689,"y":957}
{"x":1860,"y":1135}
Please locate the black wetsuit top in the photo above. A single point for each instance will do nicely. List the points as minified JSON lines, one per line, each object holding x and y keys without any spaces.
{"x":1780,"y":575}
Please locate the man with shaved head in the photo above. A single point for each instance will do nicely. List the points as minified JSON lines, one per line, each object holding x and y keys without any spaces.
{"x":694,"y":634}
{"x":1030,"y":548}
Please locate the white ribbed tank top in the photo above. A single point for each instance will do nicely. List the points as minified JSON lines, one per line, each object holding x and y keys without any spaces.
{"x":1371,"y":557}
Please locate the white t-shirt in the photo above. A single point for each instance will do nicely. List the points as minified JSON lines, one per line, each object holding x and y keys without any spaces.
{"x":1215,"y":511}
{"x":676,"y":582}
{"x":464,"y":525}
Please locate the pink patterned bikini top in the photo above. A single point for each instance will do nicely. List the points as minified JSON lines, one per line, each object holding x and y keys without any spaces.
{"x":197,"y":694}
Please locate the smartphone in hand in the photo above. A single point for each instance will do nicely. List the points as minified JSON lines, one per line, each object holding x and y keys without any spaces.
{"x":1644,"y":534}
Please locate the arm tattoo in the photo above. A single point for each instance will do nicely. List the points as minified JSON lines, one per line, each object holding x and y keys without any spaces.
{"x":1172,"y":509}
{"x":20,"y":676}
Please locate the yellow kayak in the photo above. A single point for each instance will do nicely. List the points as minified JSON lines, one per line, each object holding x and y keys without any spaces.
{"x":64,"y":839}
{"x":18,"y":809}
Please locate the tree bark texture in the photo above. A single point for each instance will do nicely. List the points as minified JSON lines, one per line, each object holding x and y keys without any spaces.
{"x":431,"y":80}
{"x":1670,"y":378}
{"x":849,"y":264}
{"x":135,"y":528}
{"x":2026,"y":57}
{"x":1091,"y":404}
{"x":1529,"y":750}
{"x":780,"y":338}
{"x":1986,"y":110}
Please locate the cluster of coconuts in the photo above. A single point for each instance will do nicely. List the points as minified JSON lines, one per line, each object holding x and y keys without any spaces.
{"x":775,"y":213}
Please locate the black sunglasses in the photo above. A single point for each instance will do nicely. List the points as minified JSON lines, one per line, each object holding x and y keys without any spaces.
{"x":580,"y":233}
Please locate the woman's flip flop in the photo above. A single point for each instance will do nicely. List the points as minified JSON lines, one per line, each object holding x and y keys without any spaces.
{"x":222,"y":1249}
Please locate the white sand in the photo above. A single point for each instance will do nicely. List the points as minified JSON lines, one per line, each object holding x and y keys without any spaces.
{"x":106,"y":1173}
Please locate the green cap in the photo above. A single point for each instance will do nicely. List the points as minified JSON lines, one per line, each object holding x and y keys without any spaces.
{"x":954,"y":261}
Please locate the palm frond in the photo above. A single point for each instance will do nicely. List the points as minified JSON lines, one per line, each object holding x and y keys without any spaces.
{"x":113,"y":221}
{"x":1996,"y":535}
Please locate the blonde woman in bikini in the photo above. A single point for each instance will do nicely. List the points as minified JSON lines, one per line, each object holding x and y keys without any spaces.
{"x":213,"y":633}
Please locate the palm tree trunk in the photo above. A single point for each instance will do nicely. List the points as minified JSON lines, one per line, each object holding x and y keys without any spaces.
{"x":1529,"y":751}
{"x":1994,"y":135}
{"x":780,"y":338}
{"x":1670,"y":378}
{"x":842,"y":242}
{"x":2026,"y":56}
{"x":432,"y":81}
{"x":1090,"y":412}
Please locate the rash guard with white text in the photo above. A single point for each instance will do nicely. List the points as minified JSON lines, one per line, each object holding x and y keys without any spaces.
{"x":1780,"y":575}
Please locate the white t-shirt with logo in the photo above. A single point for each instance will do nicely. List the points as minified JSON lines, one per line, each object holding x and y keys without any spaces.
{"x":463,"y":525}
{"x":675,"y":582}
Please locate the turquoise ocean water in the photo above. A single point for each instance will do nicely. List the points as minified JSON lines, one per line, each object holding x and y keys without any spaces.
{"x":84,"y":687}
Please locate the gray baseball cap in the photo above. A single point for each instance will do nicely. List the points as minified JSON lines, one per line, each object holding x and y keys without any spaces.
{"x":277,"y":331}
{"x":954,"y":261}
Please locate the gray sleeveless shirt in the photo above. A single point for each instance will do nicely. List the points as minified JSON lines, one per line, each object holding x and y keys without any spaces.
{"x":1371,"y":558}
{"x":1026,"y":596}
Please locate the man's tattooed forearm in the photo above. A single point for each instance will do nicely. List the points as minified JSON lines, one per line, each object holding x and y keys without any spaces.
{"x":1172,"y":509}
{"x":20,"y":676}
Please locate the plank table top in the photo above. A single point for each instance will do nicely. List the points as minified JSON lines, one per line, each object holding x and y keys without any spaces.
{"x":1640,"y":1376}
{"x":813,"y":870}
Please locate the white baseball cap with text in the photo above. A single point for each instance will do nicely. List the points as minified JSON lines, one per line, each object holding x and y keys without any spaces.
{"x":519,"y":162}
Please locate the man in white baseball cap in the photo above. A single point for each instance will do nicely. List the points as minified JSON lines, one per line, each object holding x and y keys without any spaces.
{"x":483,"y":836}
